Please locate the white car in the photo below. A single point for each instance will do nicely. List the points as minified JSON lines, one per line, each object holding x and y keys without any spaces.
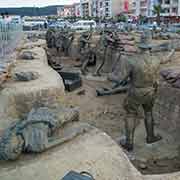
{"x":63,"y":24}
{"x":34,"y":22}
{"x":84,"y":25}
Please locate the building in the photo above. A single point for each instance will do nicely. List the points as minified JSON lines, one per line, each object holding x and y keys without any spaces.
{"x":140,"y":7}
{"x":145,"y":7}
{"x":170,"y":7}
{"x":66,"y":11}
{"x":101,"y":8}
{"x":85,"y":8}
{"x":109,"y":8}
{"x":77,"y":9}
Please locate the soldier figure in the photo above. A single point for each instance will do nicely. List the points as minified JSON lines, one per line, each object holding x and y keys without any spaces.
{"x":60,"y":39}
{"x":87,"y":55}
{"x":50,"y":38}
{"x":83,"y":41}
{"x":67,"y":41}
{"x":109,"y":43}
{"x":142,"y":73}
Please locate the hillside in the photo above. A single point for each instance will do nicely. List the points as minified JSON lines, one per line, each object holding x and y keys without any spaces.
{"x":31,"y":11}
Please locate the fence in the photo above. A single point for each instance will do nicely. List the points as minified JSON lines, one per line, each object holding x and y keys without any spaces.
{"x":10,"y":34}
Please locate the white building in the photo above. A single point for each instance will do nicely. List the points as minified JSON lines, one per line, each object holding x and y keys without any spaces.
{"x":102,"y":8}
{"x":140,"y":7}
{"x":170,"y":7}
{"x":109,"y":8}
{"x":77,"y":9}
{"x":145,"y":7}
{"x":85,"y":8}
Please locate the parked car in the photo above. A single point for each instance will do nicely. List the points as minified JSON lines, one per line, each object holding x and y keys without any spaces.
{"x":174,"y":28}
{"x":63,"y":24}
{"x":149,"y":27}
{"x":16,"y":19}
{"x":59,"y":24}
{"x":33,"y":23}
{"x":84,"y":25}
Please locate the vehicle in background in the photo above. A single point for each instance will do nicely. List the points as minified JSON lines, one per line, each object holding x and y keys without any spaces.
{"x":149,"y":27}
{"x":84,"y":25}
{"x":16,"y":19}
{"x":34,"y":23}
{"x":63,"y":24}
{"x":120,"y":26}
{"x":60,"y":24}
{"x":174,"y":28}
{"x":52,"y":24}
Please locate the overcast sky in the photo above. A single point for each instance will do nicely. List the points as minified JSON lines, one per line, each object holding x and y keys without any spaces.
{"x":37,"y":3}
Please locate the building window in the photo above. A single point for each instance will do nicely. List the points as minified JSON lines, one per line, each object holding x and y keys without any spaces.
{"x":167,"y":2}
{"x":175,"y":10}
{"x":166,"y":10}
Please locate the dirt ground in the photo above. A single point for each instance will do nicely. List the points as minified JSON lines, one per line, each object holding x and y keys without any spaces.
{"x":107,"y":114}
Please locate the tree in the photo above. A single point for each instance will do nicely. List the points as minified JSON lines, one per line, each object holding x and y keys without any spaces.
{"x":121,"y":18}
{"x":157,"y":11}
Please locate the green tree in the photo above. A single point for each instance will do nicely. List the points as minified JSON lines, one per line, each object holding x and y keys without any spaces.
{"x":121,"y":18}
{"x":157,"y":10}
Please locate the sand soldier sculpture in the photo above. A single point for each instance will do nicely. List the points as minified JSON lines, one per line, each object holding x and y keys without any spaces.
{"x":83,"y":41}
{"x":109,"y":43}
{"x":142,"y":72}
{"x":67,"y":42}
{"x":59,"y":38}
{"x":50,"y":38}
{"x":36,"y":133}
{"x":86,"y":52}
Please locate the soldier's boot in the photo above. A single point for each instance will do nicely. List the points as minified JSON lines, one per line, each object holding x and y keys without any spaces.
{"x":149,"y":125}
{"x":130,"y":126}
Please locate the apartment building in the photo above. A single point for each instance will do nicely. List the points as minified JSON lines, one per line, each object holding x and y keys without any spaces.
{"x":109,"y":8}
{"x":140,"y":7}
{"x":170,"y":7}
{"x":85,"y":8}
{"x":66,"y":11}
{"x":77,"y":8}
{"x":101,"y":8}
{"x":145,"y":7}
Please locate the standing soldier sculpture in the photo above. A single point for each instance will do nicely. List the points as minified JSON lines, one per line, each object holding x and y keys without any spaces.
{"x":86,"y":51}
{"x":109,"y":43}
{"x":67,"y":42}
{"x":50,"y":38}
{"x":142,"y":72}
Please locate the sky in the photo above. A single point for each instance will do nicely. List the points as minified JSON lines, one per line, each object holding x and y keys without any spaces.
{"x":37,"y":3}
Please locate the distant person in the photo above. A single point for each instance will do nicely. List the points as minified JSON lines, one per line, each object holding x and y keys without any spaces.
{"x":2,"y":15}
{"x":45,"y":25}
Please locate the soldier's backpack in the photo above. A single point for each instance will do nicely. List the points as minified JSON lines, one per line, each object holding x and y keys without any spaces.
{"x":72,"y":175}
